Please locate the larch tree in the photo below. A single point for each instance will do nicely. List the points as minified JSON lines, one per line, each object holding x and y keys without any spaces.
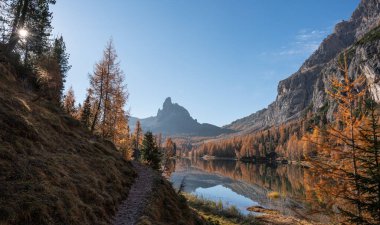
{"x":340,"y":157}
{"x":109,"y":95}
{"x":69,"y":102}
{"x":170,"y":148}
{"x":369,"y":161}
{"x":119,"y":128}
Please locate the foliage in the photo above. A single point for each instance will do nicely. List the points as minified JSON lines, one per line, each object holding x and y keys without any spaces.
{"x":373,"y":35}
{"x":108,"y":98}
{"x":86,"y":111}
{"x":59,"y":53}
{"x":136,"y":141}
{"x":33,"y":16}
{"x":348,"y":150}
{"x":69,"y":102}
{"x":150,"y":152}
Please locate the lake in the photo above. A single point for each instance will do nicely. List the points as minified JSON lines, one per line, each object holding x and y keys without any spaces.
{"x":246,"y":184}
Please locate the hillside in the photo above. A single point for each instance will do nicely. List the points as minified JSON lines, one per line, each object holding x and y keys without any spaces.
{"x":306,"y":88}
{"x":175,"y":120}
{"x":53,"y":171}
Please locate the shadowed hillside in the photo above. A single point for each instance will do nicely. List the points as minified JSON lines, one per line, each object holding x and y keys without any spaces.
{"x":52,"y":170}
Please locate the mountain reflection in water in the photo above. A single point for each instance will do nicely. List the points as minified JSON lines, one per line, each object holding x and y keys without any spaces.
{"x":246,"y":184}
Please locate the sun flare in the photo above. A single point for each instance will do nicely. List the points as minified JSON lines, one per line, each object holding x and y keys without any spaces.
{"x":23,"y":33}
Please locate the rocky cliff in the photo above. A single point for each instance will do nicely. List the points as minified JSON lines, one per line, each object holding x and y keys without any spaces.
{"x":306,"y":88}
{"x":175,"y":120}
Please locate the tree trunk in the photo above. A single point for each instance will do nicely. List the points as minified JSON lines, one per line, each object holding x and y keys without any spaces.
{"x":99,"y":103}
{"x":19,"y":21}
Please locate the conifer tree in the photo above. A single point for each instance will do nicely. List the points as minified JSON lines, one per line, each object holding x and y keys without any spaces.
{"x":150,"y":152}
{"x":343,"y":153}
{"x":369,"y":161}
{"x":109,"y":94}
{"x":86,"y":112}
{"x":58,"y":52}
{"x":69,"y":102}
{"x":136,"y":141}
{"x":33,"y":16}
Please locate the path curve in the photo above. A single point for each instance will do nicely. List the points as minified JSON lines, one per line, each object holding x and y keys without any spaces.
{"x":131,"y":209}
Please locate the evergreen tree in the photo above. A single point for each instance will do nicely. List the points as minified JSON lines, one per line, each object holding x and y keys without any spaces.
{"x":150,"y":152}
{"x":33,"y":16}
{"x":137,"y":138}
{"x":369,"y":160}
{"x":86,"y":112}
{"x":62,"y":57}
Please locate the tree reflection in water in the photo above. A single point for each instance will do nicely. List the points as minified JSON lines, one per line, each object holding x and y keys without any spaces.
{"x":296,"y":185}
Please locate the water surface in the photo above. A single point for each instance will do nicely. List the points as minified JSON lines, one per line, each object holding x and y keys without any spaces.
{"x":245,"y":184}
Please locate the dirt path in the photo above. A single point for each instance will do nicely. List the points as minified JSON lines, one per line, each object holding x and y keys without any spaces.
{"x":132,"y":208}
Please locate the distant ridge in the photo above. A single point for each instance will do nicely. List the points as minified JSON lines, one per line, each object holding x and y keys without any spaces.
{"x":175,"y":120}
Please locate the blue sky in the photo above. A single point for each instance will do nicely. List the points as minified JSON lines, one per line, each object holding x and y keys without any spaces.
{"x":221,"y":59}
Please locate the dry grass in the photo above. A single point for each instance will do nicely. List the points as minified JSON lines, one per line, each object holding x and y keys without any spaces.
{"x":215,"y":213}
{"x":52,"y":170}
{"x":274,"y":195}
{"x":168,"y":208}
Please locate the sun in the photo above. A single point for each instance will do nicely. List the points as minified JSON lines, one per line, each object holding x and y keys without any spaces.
{"x":23,"y":33}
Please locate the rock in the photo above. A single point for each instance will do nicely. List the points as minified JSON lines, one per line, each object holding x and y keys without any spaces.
{"x":306,"y":88}
{"x":175,"y":120}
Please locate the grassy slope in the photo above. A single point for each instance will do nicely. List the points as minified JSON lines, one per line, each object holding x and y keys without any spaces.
{"x":52,"y":171}
{"x":168,"y":208}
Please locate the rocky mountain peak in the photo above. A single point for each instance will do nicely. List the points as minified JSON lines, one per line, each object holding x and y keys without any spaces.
{"x":167,"y":102}
{"x":172,"y":110}
{"x":175,"y":120}
{"x":306,"y":87}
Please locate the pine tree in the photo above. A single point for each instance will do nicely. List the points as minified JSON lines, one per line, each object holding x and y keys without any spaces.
{"x":35,"y":17}
{"x":137,"y":140}
{"x":59,"y":53}
{"x":150,"y":152}
{"x":86,"y":112}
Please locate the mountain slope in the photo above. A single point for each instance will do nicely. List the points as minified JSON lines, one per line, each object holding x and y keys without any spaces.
{"x":306,"y":87}
{"x":54,"y":171}
{"x":175,"y":120}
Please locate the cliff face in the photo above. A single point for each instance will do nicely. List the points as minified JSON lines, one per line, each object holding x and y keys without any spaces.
{"x":306,"y":87}
{"x":175,"y":120}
